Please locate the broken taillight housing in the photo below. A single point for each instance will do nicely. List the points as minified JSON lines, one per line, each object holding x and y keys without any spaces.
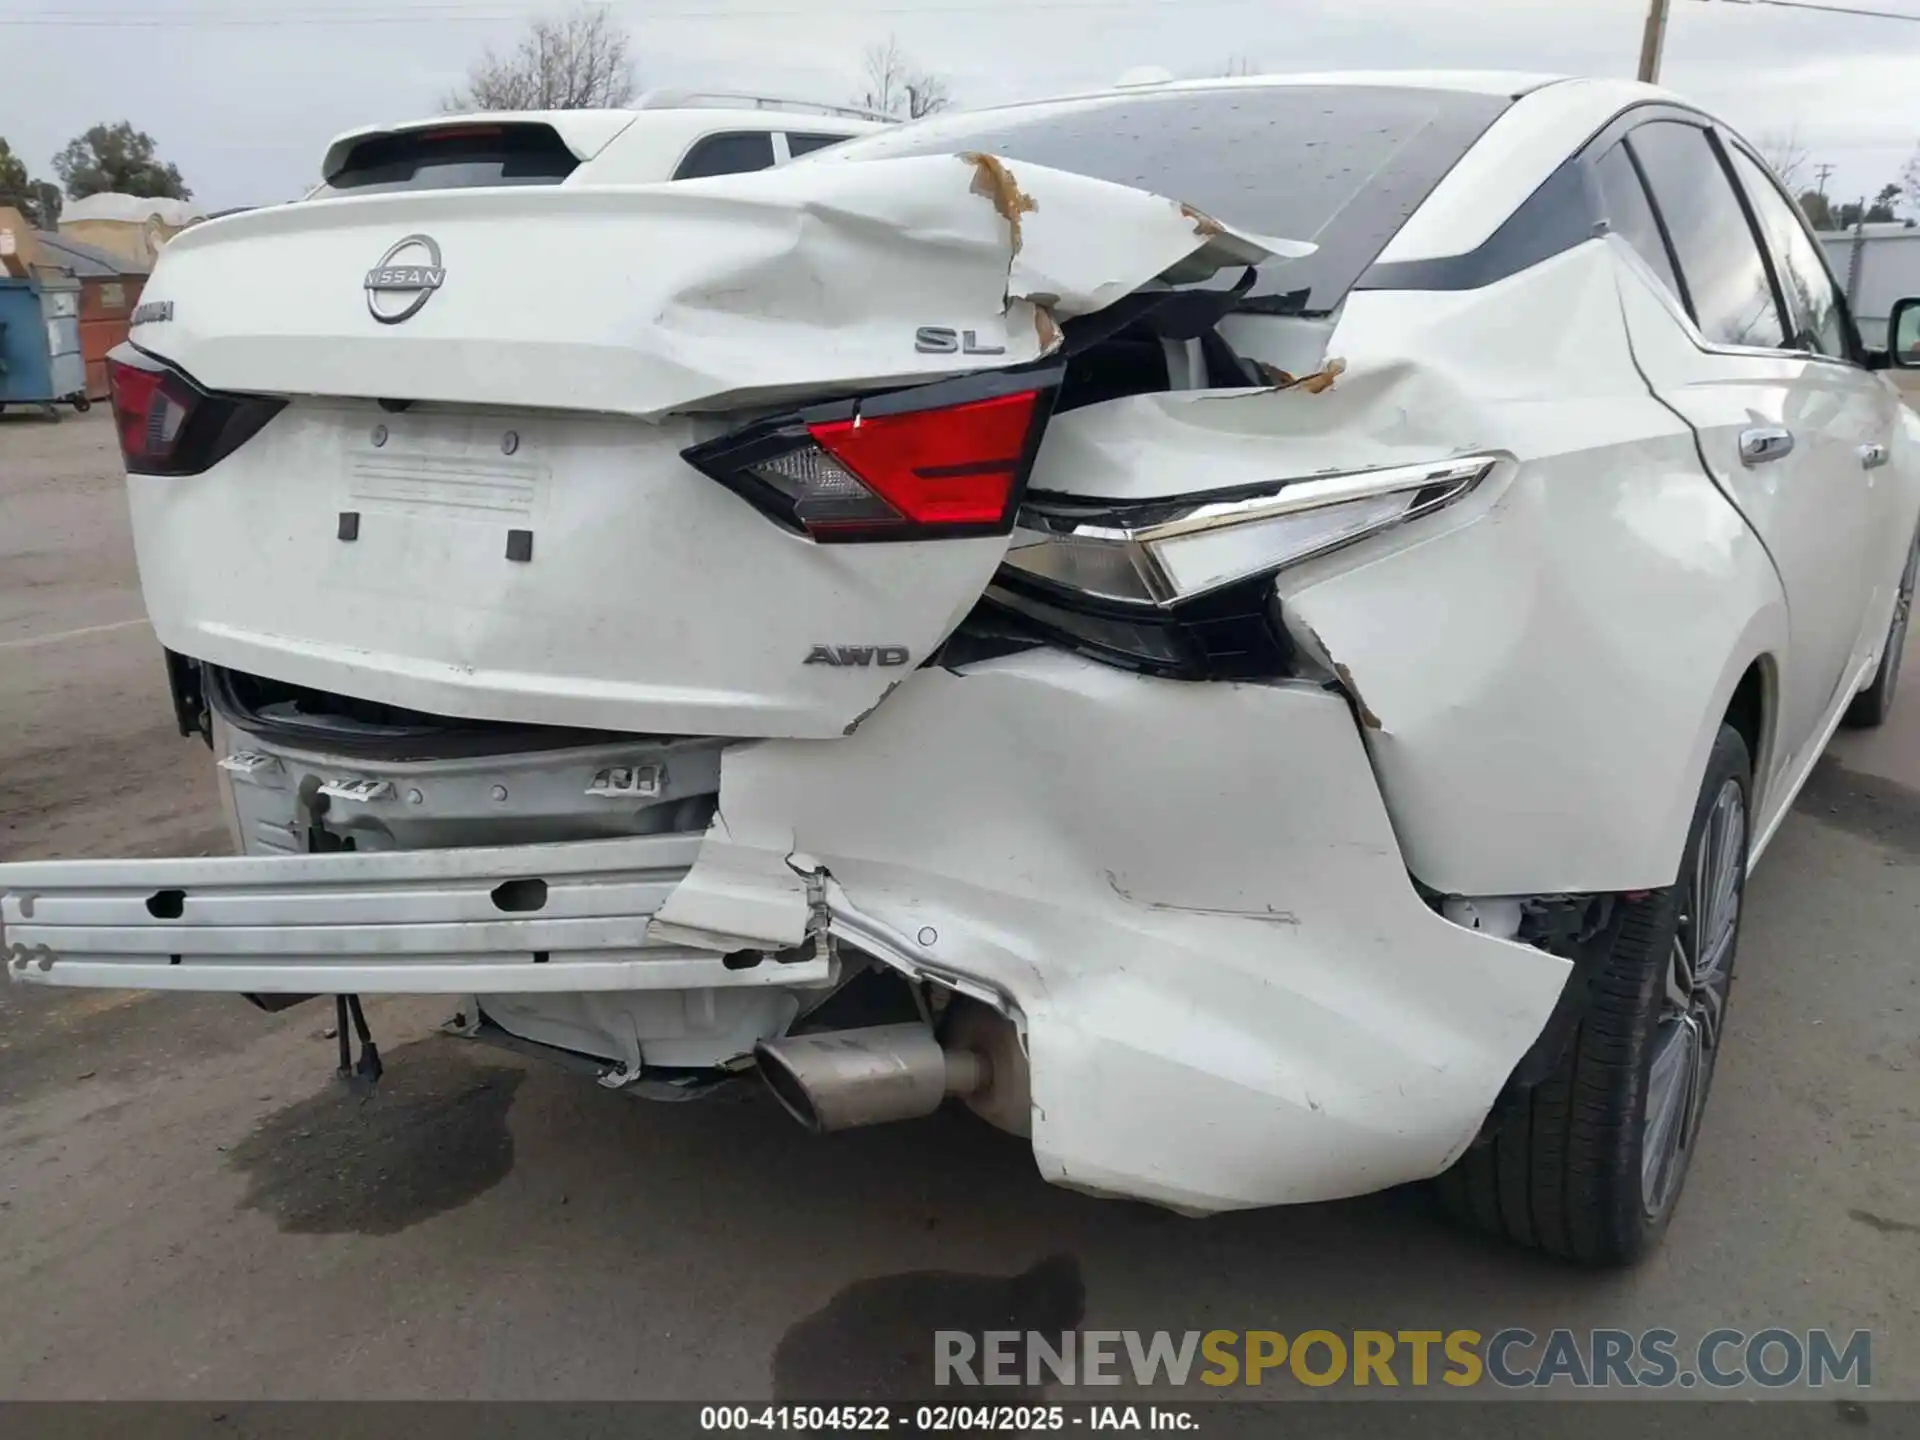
{"x":1186,"y":588}
{"x":168,"y":425}
{"x":940,"y":460}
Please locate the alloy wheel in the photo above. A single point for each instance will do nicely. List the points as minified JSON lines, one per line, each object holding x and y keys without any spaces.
{"x":1902,"y":611}
{"x":1686,"y":1039}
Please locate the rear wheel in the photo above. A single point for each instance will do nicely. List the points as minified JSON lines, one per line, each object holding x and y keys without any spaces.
{"x":1589,"y":1164}
{"x":1872,"y":706}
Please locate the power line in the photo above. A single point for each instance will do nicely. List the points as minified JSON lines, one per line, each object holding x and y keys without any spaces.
{"x":1829,"y":9}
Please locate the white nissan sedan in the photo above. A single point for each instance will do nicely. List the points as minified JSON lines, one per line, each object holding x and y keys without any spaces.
{"x":1249,"y":631}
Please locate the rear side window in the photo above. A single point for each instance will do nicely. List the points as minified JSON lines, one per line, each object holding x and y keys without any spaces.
{"x":1631,"y":216}
{"x":1340,"y":165}
{"x":1819,"y":321}
{"x":798,"y":145}
{"x":731,"y":154}
{"x":456,"y":158}
{"x":1726,"y":276}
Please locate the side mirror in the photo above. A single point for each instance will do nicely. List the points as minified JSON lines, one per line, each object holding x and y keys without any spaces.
{"x":1903,"y":334}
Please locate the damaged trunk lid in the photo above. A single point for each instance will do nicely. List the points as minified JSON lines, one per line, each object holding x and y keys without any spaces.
{"x":722,"y":457}
{"x":653,"y":300}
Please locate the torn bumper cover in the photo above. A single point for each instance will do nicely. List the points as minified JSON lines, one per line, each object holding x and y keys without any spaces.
{"x":1230,"y":993}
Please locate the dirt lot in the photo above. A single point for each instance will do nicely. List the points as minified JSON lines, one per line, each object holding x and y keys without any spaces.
{"x":191,"y":1208}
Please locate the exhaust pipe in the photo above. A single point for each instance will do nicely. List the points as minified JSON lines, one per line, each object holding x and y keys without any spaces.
{"x":844,"y":1078}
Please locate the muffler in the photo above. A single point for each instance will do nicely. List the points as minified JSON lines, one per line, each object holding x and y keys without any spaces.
{"x":839,"y":1079}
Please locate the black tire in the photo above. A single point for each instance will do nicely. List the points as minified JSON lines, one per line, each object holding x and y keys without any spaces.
{"x":1872,"y":706}
{"x":1564,"y":1167}
{"x":81,"y":404}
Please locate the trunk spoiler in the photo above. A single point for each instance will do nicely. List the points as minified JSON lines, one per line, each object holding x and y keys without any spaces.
{"x":585,"y":132}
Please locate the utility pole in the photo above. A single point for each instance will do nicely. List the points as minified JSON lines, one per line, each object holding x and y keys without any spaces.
{"x":1823,"y":171}
{"x":1655,"y":41}
{"x":1856,"y":253}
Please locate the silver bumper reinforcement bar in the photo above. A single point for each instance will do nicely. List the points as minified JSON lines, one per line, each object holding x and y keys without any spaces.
{"x":560,"y":917}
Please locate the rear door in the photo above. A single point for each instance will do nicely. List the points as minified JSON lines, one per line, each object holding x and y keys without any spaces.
{"x":1824,"y":330}
{"x":1781,"y":426}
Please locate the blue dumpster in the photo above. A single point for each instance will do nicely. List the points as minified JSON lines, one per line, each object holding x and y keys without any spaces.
{"x":40,"y":360}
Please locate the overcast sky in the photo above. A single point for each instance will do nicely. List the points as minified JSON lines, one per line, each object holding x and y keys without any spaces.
{"x":243,"y":94}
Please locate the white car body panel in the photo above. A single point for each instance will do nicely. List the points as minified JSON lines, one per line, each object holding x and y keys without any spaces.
{"x":1250,"y":952}
{"x":424,"y":610}
{"x":242,"y":567}
{"x":720,"y":300}
{"x":1488,"y":726}
{"x":1213,"y":910}
{"x":1811,"y":509}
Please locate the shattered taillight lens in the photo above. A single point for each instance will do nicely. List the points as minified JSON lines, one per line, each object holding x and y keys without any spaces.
{"x":1185,"y":588}
{"x":168,"y":425}
{"x":947,"y":459}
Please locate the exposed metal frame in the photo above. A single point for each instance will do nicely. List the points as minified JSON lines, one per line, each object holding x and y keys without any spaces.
{"x":373,"y":922}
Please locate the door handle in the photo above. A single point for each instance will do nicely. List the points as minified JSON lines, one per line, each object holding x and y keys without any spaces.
{"x":1872,"y":457}
{"x":1764,"y":443}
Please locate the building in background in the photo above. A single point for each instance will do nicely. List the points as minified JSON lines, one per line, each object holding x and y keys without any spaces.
{"x":130,"y":227}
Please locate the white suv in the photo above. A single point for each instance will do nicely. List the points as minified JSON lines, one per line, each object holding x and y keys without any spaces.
{"x":667,"y":135}
{"x":1250,"y":630}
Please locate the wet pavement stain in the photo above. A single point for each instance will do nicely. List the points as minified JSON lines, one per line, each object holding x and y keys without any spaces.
{"x":1884,"y":1225}
{"x":1874,"y":808}
{"x":874,"y":1341}
{"x":430,"y":1139}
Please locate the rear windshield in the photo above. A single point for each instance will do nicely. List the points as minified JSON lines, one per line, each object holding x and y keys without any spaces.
{"x":1342,"y":166}
{"x":459,"y":157}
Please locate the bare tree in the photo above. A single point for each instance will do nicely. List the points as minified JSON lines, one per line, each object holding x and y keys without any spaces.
{"x":576,"y":61}
{"x":1785,"y":155}
{"x":1910,"y":178}
{"x":895,"y":87}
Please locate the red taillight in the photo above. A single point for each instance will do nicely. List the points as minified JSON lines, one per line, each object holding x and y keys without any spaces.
{"x":938,"y":467}
{"x":150,"y":408}
{"x":904,"y":466}
{"x":168,"y":425}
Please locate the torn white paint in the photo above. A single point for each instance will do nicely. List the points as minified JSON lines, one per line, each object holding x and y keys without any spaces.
{"x":745,"y":899}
